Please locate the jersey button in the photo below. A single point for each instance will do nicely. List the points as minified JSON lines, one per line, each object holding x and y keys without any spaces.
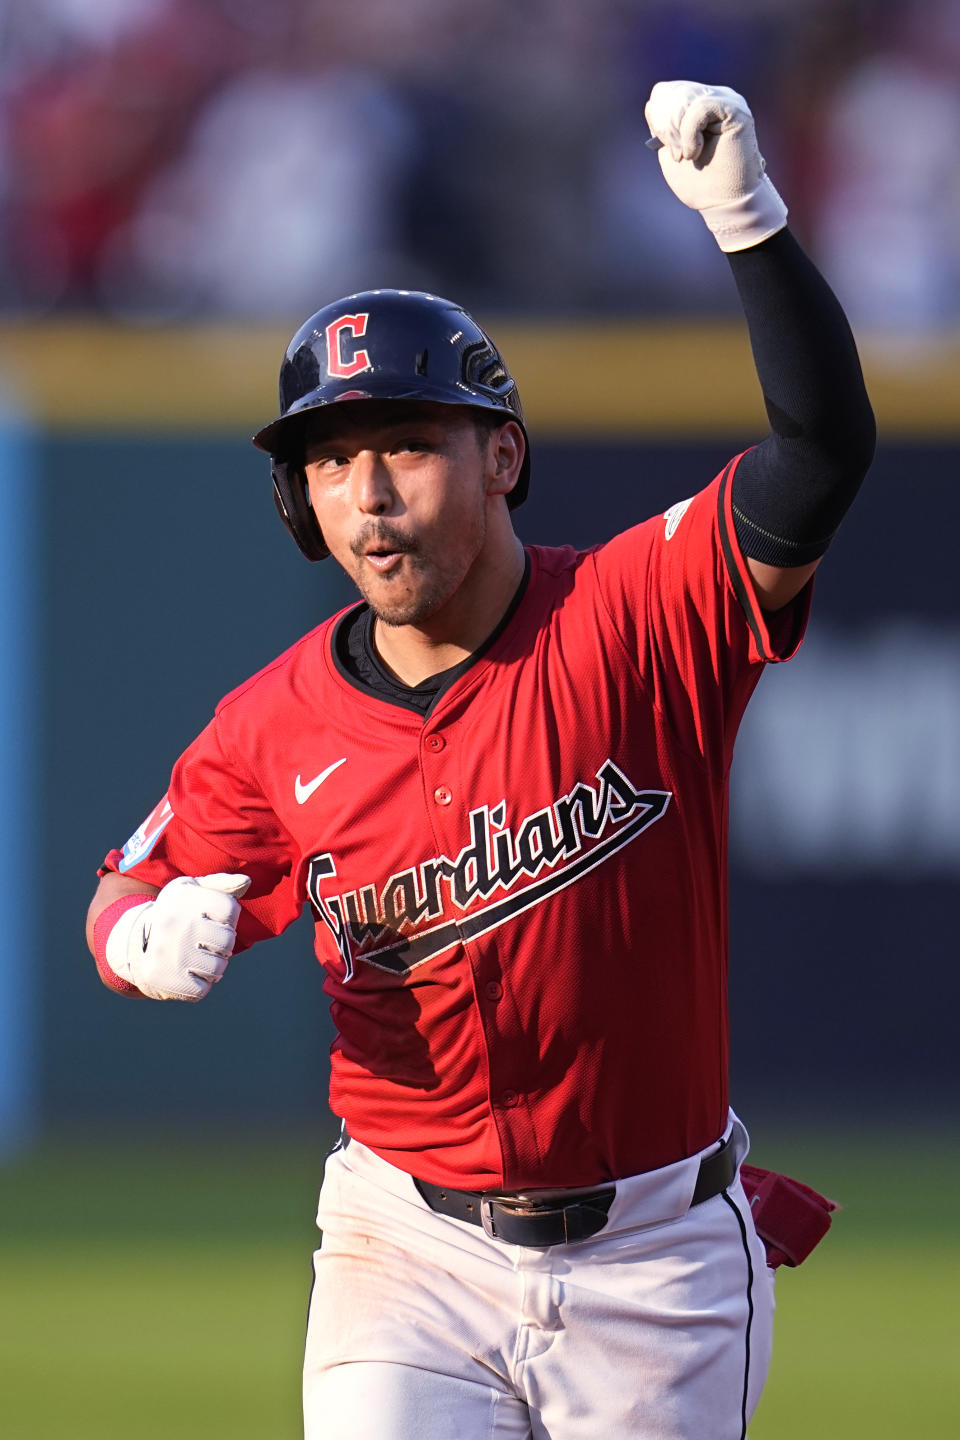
{"x":442,"y":795}
{"x":509,"y":1098}
{"x":435,"y":742}
{"x":493,"y":990}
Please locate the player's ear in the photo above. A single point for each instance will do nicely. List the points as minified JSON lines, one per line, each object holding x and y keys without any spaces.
{"x":506,"y":447}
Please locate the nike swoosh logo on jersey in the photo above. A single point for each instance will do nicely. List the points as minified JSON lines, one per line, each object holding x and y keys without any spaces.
{"x":303,"y":792}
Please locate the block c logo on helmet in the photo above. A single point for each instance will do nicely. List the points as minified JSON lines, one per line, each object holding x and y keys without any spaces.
{"x":337,"y":364}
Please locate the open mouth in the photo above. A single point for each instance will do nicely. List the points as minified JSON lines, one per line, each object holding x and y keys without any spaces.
{"x":383,"y":559}
{"x":381,"y":546}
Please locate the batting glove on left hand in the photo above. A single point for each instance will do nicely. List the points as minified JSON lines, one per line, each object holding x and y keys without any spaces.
{"x":710,"y":160}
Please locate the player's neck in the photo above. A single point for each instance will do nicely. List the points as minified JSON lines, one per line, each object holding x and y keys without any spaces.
{"x":415,"y":652}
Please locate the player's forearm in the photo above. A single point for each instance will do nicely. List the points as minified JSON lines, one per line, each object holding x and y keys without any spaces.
{"x":113,"y":887}
{"x":792,"y":490}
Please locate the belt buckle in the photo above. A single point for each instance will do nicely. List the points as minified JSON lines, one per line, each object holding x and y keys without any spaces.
{"x":486,"y":1217}
{"x":522,"y":1211}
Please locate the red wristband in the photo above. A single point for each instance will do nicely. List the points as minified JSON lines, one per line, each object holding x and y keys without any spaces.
{"x":102,"y":926}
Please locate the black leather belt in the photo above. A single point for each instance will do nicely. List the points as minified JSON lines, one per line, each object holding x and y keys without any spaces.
{"x":521,"y":1220}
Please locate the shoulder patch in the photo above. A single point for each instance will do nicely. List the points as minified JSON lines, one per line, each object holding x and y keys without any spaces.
{"x":673,"y":516}
{"x":142,"y":841}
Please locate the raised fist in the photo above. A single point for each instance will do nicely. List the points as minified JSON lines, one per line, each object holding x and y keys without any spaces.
{"x":710,"y":160}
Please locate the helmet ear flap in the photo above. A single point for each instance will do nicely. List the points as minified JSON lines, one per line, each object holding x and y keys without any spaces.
{"x":293,"y":506}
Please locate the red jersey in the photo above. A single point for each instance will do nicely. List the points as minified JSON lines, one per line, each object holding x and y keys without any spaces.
{"x":520,"y":901}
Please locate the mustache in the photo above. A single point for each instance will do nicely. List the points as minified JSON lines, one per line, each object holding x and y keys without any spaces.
{"x":382,"y":534}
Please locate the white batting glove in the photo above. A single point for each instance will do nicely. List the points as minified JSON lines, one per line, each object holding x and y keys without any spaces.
{"x":710,"y":160}
{"x":176,"y":947}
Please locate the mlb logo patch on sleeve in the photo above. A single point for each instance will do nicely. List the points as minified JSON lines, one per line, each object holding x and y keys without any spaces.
{"x":142,"y":841}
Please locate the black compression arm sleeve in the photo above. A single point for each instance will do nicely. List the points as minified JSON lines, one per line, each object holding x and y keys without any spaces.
{"x":792,"y":490}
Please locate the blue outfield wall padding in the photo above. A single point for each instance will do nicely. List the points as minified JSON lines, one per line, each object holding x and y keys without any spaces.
{"x":19,"y":910}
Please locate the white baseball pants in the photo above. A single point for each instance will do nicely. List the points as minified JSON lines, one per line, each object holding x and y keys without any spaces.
{"x":424,"y":1328}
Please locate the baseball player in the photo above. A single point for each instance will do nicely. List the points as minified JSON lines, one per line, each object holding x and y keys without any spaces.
{"x":500,"y":783}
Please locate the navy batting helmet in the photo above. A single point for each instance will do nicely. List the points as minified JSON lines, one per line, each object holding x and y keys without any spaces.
{"x":380,"y":345}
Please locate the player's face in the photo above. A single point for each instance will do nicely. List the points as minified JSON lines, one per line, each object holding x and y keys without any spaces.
{"x":401,"y":491}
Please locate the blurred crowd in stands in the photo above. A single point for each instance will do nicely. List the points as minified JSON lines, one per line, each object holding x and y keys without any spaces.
{"x":174,"y":159}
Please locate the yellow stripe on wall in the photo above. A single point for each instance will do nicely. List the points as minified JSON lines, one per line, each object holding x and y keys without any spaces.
{"x":660,"y":380}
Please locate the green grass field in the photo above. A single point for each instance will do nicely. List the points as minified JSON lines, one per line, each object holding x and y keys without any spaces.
{"x":157,"y":1291}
